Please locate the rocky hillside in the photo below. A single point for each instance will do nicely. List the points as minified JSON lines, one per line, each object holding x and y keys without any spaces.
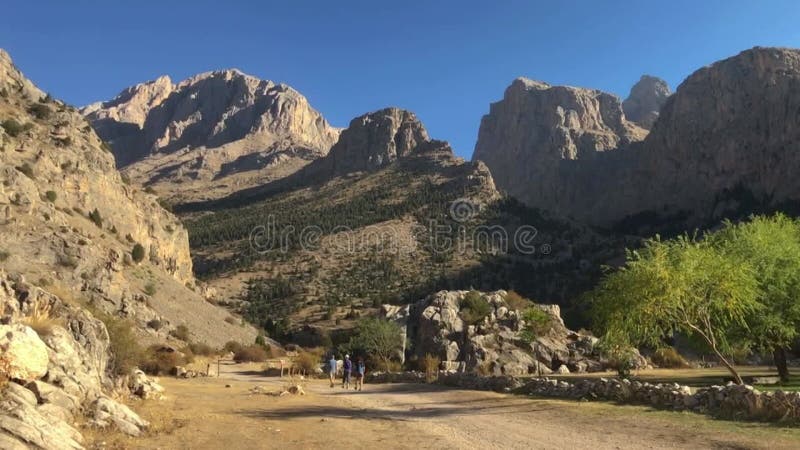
{"x":211,"y":134}
{"x":401,"y":218}
{"x":724,"y":145}
{"x":70,"y":223}
{"x":645,"y":100}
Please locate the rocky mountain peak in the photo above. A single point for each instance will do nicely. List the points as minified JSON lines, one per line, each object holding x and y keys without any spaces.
{"x":212,"y":133}
{"x":536,"y":126}
{"x":645,"y":100}
{"x":377,"y":139}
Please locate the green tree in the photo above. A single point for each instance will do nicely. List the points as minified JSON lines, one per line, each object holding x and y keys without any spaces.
{"x":771,"y":247}
{"x":137,"y":253}
{"x":678,"y":286}
{"x":379,"y":339}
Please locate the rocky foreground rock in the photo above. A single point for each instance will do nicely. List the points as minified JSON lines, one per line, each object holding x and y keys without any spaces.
{"x":216,"y":131}
{"x":54,"y":370}
{"x":494,"y":345}
{"x":725,"y":144}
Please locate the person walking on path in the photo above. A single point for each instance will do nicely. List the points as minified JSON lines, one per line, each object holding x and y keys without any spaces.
{"x":348,"y":368}
{"x":332,"y":369}
{"x":361,"y":370}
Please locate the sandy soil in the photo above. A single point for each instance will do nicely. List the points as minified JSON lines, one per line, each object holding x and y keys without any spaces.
{"x":204,"y":413}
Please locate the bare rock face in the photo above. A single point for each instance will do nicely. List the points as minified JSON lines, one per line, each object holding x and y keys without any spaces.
{"x":70,"y":220}
{"x":213,"y":126}
{"x":645,"y":100}
{"x":724,"y":143}
{"x":377,"y":139}
{"x":528,"y":136}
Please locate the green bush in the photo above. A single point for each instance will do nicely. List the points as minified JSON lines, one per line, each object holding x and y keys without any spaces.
{"x":14,"y":128}
{"x":96,"y":218}
{"x":40,"y":110}
{"x":474,"y":308}
{"x":137,"y":253}
{"x":537,"y":323}
{"x":155,"y":324}
{"x":180,"y":332}
{"x":4,"y":255}
{"x":51,"y":196}
{"x":669,"y":358}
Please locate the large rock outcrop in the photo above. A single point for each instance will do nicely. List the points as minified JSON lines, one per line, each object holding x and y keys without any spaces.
{"x":645,"y":100}
{"x":211,"y":131}
{"x":65,"y":353}
{"x":70,"y":221}
{"x":436,"y":325}
{"x":725,"y":144}
{"x":529,"y":135}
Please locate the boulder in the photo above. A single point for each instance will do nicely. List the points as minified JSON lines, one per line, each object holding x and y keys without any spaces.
{"x":106,"y":412}
{"x":143,"y":386}
{"x":24,"y":353}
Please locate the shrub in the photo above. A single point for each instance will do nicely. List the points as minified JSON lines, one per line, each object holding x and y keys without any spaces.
{"x":231,"y":320}
{"x":137,"y":253}
{"x":669,"y":358}
{"x":40,"y":110}
{"x":201,"y":349}
{"x":160,"y":360}
{"x":96,"y":218}
{"x":51,"y":196}
{"x":232,"y":346}
{"x":149,"y":190}
{"x":262,"y":341}
{"x":155,"y":324}
{"x":125,"y":179}
{"x":537,"y":323}
{"x":517,"y":302}
{"x":40,"y":319}
{"x":125,"y":349}
{"x":14,"y":128}
{"x":150,"y":289}
{"x":4,"y":255}
{"x":180,"y":332}
{"x":27,"y":170}
{"x":251,"y":353}
{"x":430,"y":365}
{"x":307,"y":362}
{"x":474,"y":307}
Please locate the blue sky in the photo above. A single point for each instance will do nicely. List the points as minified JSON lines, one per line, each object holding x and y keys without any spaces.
{"x":444,"y":60}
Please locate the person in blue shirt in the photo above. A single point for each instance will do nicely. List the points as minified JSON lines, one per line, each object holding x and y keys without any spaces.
{"x":332,"y":369}
{"x":361,"y":370}
{"x":348,"y":368}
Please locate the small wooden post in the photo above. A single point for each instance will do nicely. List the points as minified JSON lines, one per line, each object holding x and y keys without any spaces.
{"x":218,"y":367}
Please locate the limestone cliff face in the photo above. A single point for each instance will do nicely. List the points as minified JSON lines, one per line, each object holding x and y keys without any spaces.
{"x":727,"y":137}
{"x":730,"y":130}
{"x":222,"y":125}
{"x":645,"y":100}
{"x":529,"y":135}
{"x":376,"y":139}
{"x":68,"y":218}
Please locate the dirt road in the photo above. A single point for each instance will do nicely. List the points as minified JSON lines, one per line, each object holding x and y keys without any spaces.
{"x":204,"y":413}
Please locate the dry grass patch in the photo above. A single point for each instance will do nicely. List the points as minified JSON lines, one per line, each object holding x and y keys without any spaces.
{"x":41,"y":320}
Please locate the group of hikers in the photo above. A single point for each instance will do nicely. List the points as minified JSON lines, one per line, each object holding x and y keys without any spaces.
{"x":347,"y":372}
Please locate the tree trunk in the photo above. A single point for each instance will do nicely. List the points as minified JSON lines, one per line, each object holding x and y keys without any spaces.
{"x":779,"y":355}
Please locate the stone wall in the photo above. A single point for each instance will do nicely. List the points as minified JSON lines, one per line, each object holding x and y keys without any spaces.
{"x":730,"y":401}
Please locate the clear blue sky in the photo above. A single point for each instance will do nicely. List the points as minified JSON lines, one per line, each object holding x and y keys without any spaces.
{"x":444,"y":60}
